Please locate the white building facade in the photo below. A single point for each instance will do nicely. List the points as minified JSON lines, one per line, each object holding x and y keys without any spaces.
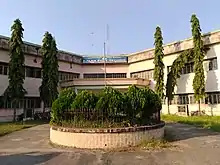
{"x":136,"y":65}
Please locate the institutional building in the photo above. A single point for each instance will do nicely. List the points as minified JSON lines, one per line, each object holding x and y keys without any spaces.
{"x":82,"y":72}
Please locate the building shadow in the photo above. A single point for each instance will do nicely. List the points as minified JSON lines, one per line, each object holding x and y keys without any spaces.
{"x":30,"y":158}
{"x":177,"y":131}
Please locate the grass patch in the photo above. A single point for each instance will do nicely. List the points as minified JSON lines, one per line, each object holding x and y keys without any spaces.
{"x":210,"y":122}
{"x":154,"y":144}
{"x":9,"y":127}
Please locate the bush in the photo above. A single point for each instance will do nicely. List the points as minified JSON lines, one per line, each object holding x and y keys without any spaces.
{"x":110,"y":102}
{"x":109,"y":108}
{"x":151,"y":103}
{"x":62,"y":103}
{"x":84,"y":100}
{"x":141,"y":104}
{"x":83,"y":106}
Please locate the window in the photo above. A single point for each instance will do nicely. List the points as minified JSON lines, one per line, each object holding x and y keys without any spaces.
{"x":213,"y":98}
{"x":181,"y":108}
{"x":3,"y":68}
{"x":213,"y":64}
{"x":183,"y":99}
{"x":68,"y":76}
{"x":210,"y":64}
{"x":27,"y":102}
{"x":33,"y":72}
{"x":147,"y":74}
{"x":168,"y":69}
{"x":188,"y":68}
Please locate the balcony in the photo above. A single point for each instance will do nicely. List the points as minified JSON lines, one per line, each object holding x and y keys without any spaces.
{"x":100,"y":83}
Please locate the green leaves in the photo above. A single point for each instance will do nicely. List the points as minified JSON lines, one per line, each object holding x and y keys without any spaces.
{"x":15,"y":90}
{"x":85,"y":100}
{"x":196,"y":55}
{"x":110,"y":101}
{"x":62,"y":103}
{"x":142,"y":102}
{"x":50,"y":79}
{"x":158,"y":63}
{"x":199,"y":78}
{"x":175,"y":72}
{"x":135,"y":106}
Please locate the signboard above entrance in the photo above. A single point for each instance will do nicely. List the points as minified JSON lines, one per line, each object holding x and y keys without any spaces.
{"x":98,"y":60}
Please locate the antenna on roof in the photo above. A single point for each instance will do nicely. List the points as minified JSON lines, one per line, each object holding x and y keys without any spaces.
{"x":92,"y":44}
{"x":107,"y":39}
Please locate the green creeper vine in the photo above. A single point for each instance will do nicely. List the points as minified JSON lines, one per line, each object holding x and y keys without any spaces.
{"x":175,"y":71}
{"x":196,"y":55}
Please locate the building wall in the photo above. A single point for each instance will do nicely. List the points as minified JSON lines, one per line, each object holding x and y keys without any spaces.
{"x":139,"y":65}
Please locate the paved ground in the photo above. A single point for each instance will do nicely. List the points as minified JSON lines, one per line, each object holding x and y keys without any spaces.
{"x":30,"y":147}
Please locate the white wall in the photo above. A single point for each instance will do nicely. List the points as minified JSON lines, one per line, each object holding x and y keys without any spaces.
{"x":184,"y":84}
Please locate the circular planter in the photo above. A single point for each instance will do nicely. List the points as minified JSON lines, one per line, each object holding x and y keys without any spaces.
{"x":105,"y":138}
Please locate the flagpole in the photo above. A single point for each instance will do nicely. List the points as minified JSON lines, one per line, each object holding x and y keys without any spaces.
{"x":105,"y":62}
{"x":106,"y":44}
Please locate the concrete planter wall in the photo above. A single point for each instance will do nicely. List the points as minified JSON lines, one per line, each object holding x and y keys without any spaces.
{"x":105,"y":138}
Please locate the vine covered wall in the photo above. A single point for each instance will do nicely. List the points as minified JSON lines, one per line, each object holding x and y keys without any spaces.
{"x":175,"y":71}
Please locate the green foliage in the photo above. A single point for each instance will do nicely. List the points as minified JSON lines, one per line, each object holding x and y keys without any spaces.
{"x":85,"y":100}
{"x":53,"y":72}
{"x":44,"y":89}
{"x":63,"y":102}
{"x":48,"y":88}
{"x":141,"y":103}
{"x":199,"y":78}
{"x":15,"y":90}
{"x":175,"y":71}
{"x":210,"y":122}
{"x":110,"y":108}
{"x":110,"y":101}
{"x":158,"y":62}
{"x":152,"y":102}
{"x":134,"y":101}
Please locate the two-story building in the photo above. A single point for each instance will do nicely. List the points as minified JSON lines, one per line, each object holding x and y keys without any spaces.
{"x":94,"y":73}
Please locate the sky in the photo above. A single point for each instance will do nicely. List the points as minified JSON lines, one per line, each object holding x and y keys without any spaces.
{"x":80,"y":26}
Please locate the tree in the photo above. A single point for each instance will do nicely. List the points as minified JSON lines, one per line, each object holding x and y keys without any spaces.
{"x":44,"y":89}
{"x":15,"y":90}
{"x":158,"y":62}
{"x":48,"y":88}
{"x":199,"y":78}
{"x":53,"y":72}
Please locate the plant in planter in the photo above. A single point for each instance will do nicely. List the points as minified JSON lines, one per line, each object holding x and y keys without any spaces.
{"x":110,"y":104}
{"x":151,"y":104}
{"x":61,"y":104}
{"x":141,"y":104}
{"x":83,"y":106}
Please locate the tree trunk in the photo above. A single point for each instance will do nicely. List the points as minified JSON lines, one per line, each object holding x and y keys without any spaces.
{"x":168,"y":106}
{"x":14,"y":115}
{"x":14,"y":107}
{"x":199,"y":107}
{"x":43,"y":107}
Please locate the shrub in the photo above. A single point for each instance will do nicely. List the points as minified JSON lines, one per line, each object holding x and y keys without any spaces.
{"x":83,"y":106}
{"x":151,"y":104}
{"x":110,"y":102}
{"x":84,"y":100}
{"x":141,"y":104}
{"x":132,"y":103}
{"x":63,"y":102}
{"x":109,"y":108}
